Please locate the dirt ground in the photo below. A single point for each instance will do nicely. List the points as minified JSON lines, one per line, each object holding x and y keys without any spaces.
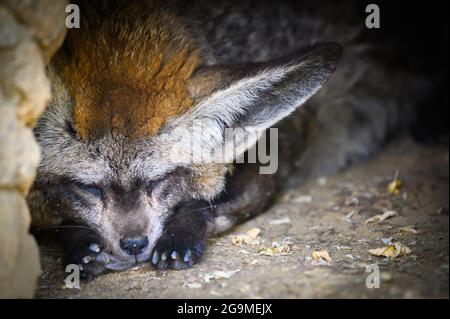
{"x":325,"y":214}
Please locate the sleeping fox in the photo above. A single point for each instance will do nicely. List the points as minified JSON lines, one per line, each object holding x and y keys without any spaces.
{"x":131,"y":83}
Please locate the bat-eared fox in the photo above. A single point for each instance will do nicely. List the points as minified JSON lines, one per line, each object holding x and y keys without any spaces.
{"x":143,"y":89}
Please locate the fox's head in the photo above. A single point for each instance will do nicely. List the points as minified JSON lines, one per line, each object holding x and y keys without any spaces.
{"x":117,"y":137}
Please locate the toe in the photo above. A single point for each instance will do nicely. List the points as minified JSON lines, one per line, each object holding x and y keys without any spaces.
{"x":102,"y":258}
{"x":86,"y":259}
{"x":155,"y":258}
{"x":95,"y":248}
{"x":187,"y":256}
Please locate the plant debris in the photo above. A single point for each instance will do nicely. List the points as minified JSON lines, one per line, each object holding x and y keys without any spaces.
{"x":249,"y":238}
{"x":391,"y":251}
{"x":276,"y":249}
{"x":321,"y":255}
{"x":381,"y":217}
{"x":395,"y":186}
{"x":408,"y":229}
{"x":219,"y":275}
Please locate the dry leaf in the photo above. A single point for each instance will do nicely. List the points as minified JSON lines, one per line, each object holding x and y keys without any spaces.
{"x":321,"y":254}
{"x":283,"y":249}
{"x":381,"y":217}
{"x":391,"y":251}
{"x":254,"y":233}
{"x":408,"y":229}
{"x":250,"y":238}
{"x":394,"y":186}
{"x":219,"y":275}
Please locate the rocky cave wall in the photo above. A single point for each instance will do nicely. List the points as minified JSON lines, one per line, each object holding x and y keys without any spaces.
{"x":30,"y":32}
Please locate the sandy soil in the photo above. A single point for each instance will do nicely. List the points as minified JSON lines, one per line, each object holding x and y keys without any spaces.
{"x":321,"y":215}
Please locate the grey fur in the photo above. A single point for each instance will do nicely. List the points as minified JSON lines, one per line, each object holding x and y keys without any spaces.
{"x":344,"y":122}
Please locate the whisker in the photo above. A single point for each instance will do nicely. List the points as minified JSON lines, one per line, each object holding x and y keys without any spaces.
{"x":212,"y":206}
{"x":63,"y":226}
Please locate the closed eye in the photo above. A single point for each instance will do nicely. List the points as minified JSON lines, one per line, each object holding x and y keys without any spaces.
{"x":93,"y":190}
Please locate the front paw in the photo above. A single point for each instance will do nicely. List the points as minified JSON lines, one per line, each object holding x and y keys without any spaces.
{"x":90,"y":259}
{"x":178,"y":250}
{"x":93,"y":261}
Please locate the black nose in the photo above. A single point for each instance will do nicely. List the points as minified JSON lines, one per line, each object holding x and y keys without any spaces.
{"x":134,"y":245}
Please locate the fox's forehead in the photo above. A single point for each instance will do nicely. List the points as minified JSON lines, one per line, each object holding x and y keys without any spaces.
{"x":125,"y":79}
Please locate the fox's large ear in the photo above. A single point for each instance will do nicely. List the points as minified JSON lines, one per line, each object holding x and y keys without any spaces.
{"x":255,"y":96}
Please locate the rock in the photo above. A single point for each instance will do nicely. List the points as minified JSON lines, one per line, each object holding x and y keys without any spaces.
{"x":19,"y":255}
{"x":20,"y":155}
{"x":30,"y":32}
{"x":27,"y":86}
{"x":45,"y":19}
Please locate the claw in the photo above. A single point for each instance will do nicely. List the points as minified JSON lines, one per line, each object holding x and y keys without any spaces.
{"x":86,"y":259}
{"x":155,"y":258}
{"x":187,"y":256}
{"x":95,"y":248}
{"x":174,"y":255}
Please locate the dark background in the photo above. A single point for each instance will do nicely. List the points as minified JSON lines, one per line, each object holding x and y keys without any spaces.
{"x":419,"y":32}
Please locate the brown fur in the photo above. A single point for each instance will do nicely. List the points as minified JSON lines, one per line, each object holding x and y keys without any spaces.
{"x":122,"y":84}
{"x":209,"y":179}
